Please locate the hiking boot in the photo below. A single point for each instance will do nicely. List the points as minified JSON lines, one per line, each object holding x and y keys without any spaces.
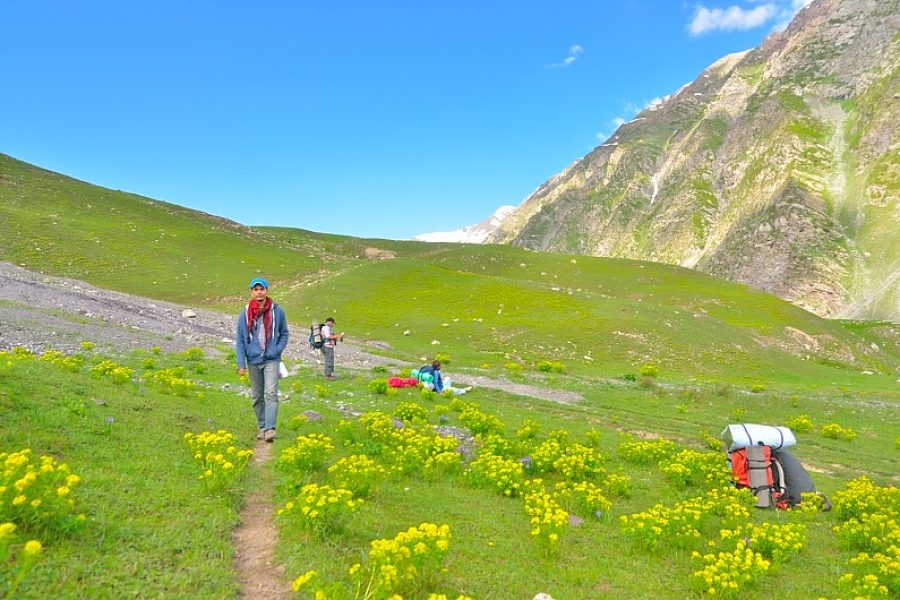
{"x":269,"y":436}
{"x":261,"y":433}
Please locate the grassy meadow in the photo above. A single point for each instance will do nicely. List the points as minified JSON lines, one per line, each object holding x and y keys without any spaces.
{"x":663,"y":357}
{"x":152,"y":528}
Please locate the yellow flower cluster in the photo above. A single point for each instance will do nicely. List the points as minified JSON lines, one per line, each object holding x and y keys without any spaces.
{"x":592,"y":436}
{"x":835,"y":431}
{"x":874,"y":531}
{"x":409,"y":449}
{"x":17,"y":354}
{"x":877,"y":575}
{"x":547,"y":518}
{"x":410,"y":412}
{"x":301,"y":581}
{"x":502,"y":474}
{"x":660,"y":524}
{"x":480,"y":422}
{"x":377,"y":425}
{"x":321,"y":509}
{"x":729,"y":503}
{"x":547,"y":453}
{"x":693,"y":468}
{"x":583,"y":499}
{"x":800,"y":423}
{"x":871,"y":524}
{"x":617,"y":485}
{"x":725,"y":573}
{"x":863,"y":496}
{"x":775,"y":542}
{"x":37,"y":495}
{"x":711,"y":441}
{"x":309,"y":453}
{"x":494,"y":444}
{"x":405,"y":564}
{"x":219,"y":460}
{"x":107,"y":368}
{"x":810,"y":505}
{"x":458,"y":405}
{"x":357,"y":473}
{"x":579,"y":462}
{"x":67,"y":363}
{"x":22,"y":353}
{"x":529,"y":430}
{"x":172,"y":381}
{"x":680,"y":525}
{"x":15,"y":561}
{"x":645,"y":452}
{"x":408,"y":562}
{"x":444,"y":463}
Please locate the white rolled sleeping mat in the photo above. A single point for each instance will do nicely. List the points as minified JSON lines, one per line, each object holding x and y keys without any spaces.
{"x":744,"y":435}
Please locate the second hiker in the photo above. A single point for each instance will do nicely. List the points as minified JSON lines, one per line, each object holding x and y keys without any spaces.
{"x":330,"y":340}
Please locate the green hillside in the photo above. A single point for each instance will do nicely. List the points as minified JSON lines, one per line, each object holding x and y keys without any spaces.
{"x":487,"y":306}
{"x":54,"y":224}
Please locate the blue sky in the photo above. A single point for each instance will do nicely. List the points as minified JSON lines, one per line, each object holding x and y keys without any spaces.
{"x":372,"y":119}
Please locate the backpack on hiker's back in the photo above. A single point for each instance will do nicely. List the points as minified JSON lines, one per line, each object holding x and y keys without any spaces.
{"x":316,"y":341}
{"x":758,"y":469}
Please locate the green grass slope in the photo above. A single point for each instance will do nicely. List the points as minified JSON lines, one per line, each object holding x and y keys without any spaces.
{"x":54,"y":224}
{"x":494,"y":305}
{"x":487,"y":306}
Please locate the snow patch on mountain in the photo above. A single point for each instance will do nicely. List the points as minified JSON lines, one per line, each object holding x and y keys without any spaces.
{"x":472,"y":234}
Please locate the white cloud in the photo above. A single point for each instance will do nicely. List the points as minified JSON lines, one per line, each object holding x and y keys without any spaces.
{"x":619,"y":121}
{"x":574,"y":51}
{"x":731,"y":18}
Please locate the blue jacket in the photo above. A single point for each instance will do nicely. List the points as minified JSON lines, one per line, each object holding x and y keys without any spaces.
{"x":247,"y":348}
{"x":438,"y":381}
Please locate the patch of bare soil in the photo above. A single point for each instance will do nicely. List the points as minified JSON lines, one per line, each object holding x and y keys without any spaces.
{"x":259,"y":575}
{"x":519,"y":389}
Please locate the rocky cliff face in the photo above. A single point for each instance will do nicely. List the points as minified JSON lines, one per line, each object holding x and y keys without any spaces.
{"x":778,"y":167}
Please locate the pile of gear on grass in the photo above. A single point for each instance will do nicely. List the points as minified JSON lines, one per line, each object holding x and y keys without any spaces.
{"x":427,"y":376}
{"x":761,"y":462}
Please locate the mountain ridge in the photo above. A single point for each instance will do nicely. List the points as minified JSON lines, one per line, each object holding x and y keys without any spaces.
{"x":776,"y":167}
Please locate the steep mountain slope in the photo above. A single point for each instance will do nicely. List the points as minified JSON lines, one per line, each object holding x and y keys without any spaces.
{"x":778,"y":167}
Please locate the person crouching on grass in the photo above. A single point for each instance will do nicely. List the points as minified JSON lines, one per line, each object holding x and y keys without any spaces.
{"x":262,"y":334}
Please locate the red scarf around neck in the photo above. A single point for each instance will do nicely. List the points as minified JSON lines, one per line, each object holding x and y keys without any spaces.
{"x":254,"y":310}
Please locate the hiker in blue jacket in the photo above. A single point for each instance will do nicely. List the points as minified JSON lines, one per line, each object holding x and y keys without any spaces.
{"x":438,"y":382}
{"x":262,"y":334}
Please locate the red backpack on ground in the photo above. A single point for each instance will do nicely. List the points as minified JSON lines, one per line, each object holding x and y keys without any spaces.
{"x":757,"y":468}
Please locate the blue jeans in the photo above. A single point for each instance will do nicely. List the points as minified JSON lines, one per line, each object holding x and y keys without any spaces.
{"x":264,"y":391}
